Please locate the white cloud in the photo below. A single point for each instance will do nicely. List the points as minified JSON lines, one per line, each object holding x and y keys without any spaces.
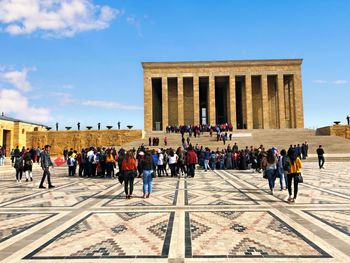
{"x":54,"y":18}
{"x":13,"y":102}
{"x":340,"y":82}
{"x":17,"y":78}
{"x":320,"y":81}
{"x":110,"y":105}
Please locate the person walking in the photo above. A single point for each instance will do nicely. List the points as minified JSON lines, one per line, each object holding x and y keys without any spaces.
{"x":147,"y":176}
{"x":28,"y":166}
{"x":45,"y":165}
{"x":129,"y":170}
{"x":207,"y":156}
{"x":270,"y":166}
{"x":320,"y":155}
{"x":295,"y":166}
{"x":18,"y":165}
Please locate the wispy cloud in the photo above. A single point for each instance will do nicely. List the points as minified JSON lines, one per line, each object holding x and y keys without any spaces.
{"x":16,"y":78}
{"x":110,"y":105}
{"x":335,"y":82}
{"x":320,"y":81}
{"x":340,"y":82}
{"x":136,"y":22}
{"x":67,"y":86}
{"x":54,"y":18}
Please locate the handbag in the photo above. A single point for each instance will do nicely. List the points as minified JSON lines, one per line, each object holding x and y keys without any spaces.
{"x":300,"y":178}
{"x":265,"y":175}
{"x":120,"y":177}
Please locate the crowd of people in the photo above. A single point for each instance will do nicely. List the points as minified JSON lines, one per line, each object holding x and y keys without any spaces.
{"x":108,"y":162}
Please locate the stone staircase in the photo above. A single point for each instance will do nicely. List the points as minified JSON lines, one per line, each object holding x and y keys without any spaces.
{"x":272,"y":137}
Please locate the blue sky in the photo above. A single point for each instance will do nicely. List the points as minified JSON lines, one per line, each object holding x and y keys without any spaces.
{"x":80,"y":60}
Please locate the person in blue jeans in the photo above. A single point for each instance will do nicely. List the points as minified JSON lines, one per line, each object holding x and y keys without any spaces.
{"x":270,"y":164}
{"x":147,"y":166}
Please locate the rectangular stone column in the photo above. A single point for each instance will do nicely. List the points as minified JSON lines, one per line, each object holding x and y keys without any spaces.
{"x":281,"y":103}
{"x":265,"y":101}
{"x":148,"y":117}
{"x":180,"y":100}
{"x":249,"y":103}
{"x":211,"y":101}
{"x":298,"y":99}
{"x":196,"y":100}
{"x":164,"y":103}
{"x":232,"y":100}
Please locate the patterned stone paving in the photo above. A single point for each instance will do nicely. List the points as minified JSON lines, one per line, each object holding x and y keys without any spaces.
{"x":217,"y":216}
{"x":250,"y":231}
{"x":15,"y":223}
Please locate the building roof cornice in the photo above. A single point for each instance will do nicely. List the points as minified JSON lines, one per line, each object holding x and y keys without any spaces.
{"x":223,"y":63}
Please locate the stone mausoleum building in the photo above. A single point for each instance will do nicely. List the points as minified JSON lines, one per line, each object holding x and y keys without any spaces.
{"x":250,"y":94}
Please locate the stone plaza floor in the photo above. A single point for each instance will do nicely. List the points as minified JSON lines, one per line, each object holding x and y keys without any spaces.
{"x":220,"y":216}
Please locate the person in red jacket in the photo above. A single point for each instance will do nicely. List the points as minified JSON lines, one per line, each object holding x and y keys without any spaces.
{"x":191,"y":161}
{"x":129,"y":169}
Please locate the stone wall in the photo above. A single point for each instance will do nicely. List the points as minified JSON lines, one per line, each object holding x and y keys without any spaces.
{"x":81,"y":139}
{"x":335,"y":130}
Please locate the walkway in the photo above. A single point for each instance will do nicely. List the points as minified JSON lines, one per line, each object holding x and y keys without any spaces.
{"x":219,"y":216}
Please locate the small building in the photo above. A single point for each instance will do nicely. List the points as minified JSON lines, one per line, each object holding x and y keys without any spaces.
{"x":250,"y":94}
{"x":13,"y":132}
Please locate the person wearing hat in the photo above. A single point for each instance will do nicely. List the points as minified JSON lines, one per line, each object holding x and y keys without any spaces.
{"x":45,"y":165}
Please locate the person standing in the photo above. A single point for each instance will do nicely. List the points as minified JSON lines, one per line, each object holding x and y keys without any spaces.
{"x":295,"y":166}
{"x":191,"y":161}
{"x":147,"y":167}
{"x":71,"y":165}
{"x":348,"y":119}
{"x":45,"y":165}
{"x":118,"y":125}
{"x":129,"y":170}
{"x":320,"y":155}
{"x":173,"y":158}
{"x":270,"y":165}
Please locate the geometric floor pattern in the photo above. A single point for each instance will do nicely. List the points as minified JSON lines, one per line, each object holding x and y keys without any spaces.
{"x":217,"y":216}
{"x":244,"y":234}
{"x":114,"y":235}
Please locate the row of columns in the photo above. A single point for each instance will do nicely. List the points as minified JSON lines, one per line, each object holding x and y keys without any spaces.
{"x":296,"y":100}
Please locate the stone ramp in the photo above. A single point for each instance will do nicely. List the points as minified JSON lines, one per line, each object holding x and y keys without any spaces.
{"x":278,"y":138}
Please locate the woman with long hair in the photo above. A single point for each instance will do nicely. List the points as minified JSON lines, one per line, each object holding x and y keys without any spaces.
{"x":270,"y":165}
{"x":129,"y":170}
{"x":147,"y":167}
{"x":294,"y":170}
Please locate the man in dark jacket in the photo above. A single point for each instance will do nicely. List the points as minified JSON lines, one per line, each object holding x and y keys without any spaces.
{"x":45,"y":165}
{"x":320,"y":155}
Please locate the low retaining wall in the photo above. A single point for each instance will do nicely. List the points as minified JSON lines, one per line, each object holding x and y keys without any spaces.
{"x":335,"y":130}
{"x":81,"y":139}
